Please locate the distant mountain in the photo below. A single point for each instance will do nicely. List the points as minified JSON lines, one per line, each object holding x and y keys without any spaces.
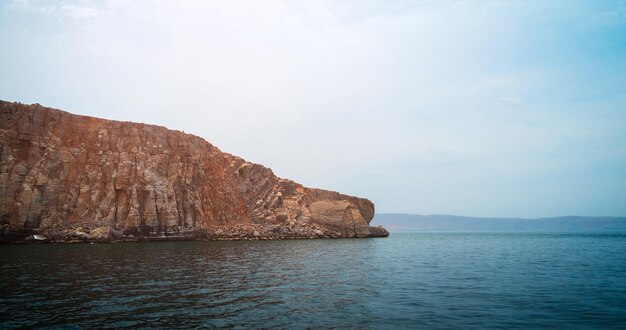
{"x":413,"y":222}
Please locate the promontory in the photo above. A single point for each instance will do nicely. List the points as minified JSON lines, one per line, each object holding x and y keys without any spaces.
{"x":71,"y":178}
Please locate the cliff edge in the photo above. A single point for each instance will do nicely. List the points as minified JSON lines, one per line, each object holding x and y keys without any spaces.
{"x":71,"y":178}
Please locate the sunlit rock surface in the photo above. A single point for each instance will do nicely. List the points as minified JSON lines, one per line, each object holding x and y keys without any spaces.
{"x":70,"y":178}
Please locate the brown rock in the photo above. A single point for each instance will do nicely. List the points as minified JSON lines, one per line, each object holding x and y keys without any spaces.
{"x":100,"y":235}
{"x":36,"y":238}
{"x":79,"y":234}
{"x":59,"y":172}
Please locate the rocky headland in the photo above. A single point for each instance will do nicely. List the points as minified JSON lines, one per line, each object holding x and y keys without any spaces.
{"x":70,"y":178}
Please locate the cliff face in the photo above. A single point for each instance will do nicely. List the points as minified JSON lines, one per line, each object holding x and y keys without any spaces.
{"x":62,"y":176}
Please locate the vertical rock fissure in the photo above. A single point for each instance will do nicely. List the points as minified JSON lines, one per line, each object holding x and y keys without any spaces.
{"x":141,"y":200}
{"x":117,"y":197}
{"x":27,"y":221}
{"x":178,"y":211}
{"x":156,"y":210}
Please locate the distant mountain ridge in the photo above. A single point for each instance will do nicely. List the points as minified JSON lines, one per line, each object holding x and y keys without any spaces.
{"x":416,"y":222}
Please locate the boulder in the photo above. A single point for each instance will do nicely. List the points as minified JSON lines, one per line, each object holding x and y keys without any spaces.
{"x":79,"y":234}
{"x":104,"y":234}
{"x":39,"y":238}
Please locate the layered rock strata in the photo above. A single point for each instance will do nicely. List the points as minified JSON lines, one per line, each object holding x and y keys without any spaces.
{"x":70,"y":178}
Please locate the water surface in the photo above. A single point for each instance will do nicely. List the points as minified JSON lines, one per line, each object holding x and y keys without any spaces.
{"x":423,"y":280}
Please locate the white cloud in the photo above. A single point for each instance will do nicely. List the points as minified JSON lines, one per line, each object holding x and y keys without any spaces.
{"x":59,"y":8}
{"x":78,"y":11}
{"x":425,"y":107}
{"x":513,"y":99}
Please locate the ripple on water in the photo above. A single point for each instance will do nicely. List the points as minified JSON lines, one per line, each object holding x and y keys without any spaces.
{"x":433,"y":280}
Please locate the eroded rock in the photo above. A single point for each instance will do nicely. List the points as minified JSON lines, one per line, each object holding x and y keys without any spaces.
{"x":68,"y":177}
{"x":36,"y":237}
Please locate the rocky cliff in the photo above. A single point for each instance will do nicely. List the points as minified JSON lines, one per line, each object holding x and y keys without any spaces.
{"x":70,"y":178}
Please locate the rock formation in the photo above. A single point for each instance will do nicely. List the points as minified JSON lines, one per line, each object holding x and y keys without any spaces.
{"x":70,"y":178}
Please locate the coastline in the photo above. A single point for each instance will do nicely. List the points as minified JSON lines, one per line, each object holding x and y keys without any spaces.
{"x":233,"y":233}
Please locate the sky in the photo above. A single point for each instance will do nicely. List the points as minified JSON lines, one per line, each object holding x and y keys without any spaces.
{"x":475,"y":108}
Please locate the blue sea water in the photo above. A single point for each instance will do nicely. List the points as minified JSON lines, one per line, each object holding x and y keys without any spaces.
{"x":408,"y":280}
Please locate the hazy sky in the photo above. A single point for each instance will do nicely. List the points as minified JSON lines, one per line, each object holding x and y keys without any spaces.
{"x":479,"y":108}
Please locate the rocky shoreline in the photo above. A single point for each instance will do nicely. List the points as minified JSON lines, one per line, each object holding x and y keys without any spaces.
{"x":235,"y":233}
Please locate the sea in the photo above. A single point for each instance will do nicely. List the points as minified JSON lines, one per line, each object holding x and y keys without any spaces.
{"x":418,"y":280}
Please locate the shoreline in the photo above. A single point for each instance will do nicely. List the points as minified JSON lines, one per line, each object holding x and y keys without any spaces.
{"x":252,"y":233}
{"x":178,"y":239}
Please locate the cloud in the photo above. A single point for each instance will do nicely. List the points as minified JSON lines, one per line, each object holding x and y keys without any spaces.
{"x":67,"y":8}
{"x":512,"y":99}
{"x":78,"y":11}
{"x":424,"y":107}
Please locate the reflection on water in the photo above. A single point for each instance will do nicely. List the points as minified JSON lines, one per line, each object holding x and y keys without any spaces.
{"x":423,"y":280}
